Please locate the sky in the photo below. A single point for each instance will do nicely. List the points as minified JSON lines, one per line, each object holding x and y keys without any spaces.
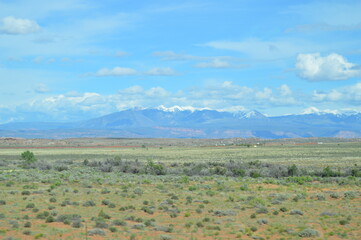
{"x":71,"y":60}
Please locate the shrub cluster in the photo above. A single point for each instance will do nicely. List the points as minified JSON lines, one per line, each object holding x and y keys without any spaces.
{"x":254,"y":169}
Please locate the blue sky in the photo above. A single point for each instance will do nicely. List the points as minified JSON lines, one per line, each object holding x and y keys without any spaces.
{"x":75,"y":59}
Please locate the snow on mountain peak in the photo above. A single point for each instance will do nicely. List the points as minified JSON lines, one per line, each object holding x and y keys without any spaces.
{"x":314,"y":110}
{"x":179,"y":108}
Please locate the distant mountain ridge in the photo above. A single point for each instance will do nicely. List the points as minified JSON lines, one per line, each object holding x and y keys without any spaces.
{"x":189,"y":122}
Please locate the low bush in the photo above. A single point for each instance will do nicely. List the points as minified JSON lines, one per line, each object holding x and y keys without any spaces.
{"x":89,"y":203}
{"x":309,"y":232}
{"x":296,"y":212}
{"x":96,"y":231}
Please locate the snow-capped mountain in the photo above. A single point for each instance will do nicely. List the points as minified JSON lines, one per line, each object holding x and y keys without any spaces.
{"x":196,"y":123}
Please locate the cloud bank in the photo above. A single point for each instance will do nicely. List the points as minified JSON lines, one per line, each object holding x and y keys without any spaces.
{"x":18,"y":26}
{"x":333,"y":67}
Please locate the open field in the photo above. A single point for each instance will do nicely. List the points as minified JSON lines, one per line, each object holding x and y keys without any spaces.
{"x":212,"y":190}
{"x":327,"y":154}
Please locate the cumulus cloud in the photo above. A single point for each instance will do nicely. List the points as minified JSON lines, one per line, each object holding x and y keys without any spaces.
{"x":116,"y":72}
{"x":166,"y":71}
{"x":157,"y":92}
{"x":333,"y":67}
{"x":221,"y":96}
{"x":266,"y":93}
{"x":285,"y":90}
{"x":349,"y":94}
{"x":17,"y":26}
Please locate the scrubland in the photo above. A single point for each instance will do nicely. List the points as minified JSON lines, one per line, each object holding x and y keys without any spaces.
{"x":205,"y":191}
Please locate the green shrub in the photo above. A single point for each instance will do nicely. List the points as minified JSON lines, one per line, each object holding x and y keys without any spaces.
{"x":344,"y":222}
{"x":263,"y":210}
{"x":328,"y":172}
{"x":100,"y":223}
{"x":221,"y":213}
{"x":89,"y":203}
{"x":164,"y":228}
{"x":30,"y":205}
{"x":254,"y":229}
{"x":292,"y":170}
{"x":139,"y":226}
{"x":255,"y":174}
{"x":50,"y":219}
{"x":350,"y":194}
{"x":165,"y":237}
{"x":199,"y":224}
{"x":28,"y":157}
{"x":77,"y":224}
{"x":283,"y":209}
{"x":14,"y":223}
{"x":119,"y":223}
{"x":138,"y":191}
{"x":96,"y":231}
{"x":27,"y":224}
{"x":39,"y":235}
{"x":27,"y":232}
{"x":296,"y":212}
{"x":42,"y":215}
{"x":309,"y":232}
{"x":262,"y":221}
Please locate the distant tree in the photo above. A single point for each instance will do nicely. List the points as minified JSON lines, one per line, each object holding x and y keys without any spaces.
{"x":293,"y":170}
{"x":328,"y":172}
{"x":28,"y":157}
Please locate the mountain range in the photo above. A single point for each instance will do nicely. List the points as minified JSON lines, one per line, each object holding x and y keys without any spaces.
{"x":177,"y":122}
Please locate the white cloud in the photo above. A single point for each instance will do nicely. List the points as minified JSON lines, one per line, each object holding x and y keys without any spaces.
{"x":219,"y":63}
{"x":285,"y":90}
{"x":73,"y":106}
{"x":115,"y":72}
{"x":42,"y":88}
{"x":172,"y":56}
{"x":333,"y":67}
{"x":122,"y":71}
{"x":265,"y":94}
{"x":17,"y":26}
{"x":349,"y":95}
{"x":166,"y":71}
{"x":132,"y":90}
{"x":260,"y":49}
{"x":220,"y":96}
{"x":157,"y":92}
